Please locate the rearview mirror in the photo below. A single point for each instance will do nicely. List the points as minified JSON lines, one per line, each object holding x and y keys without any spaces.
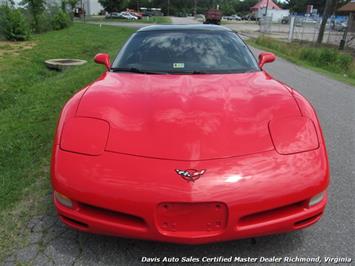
{"x":103,"y":59}
{"x":265,"y":58}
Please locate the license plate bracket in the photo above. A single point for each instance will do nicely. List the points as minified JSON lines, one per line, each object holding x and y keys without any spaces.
{"x":192,"y":217}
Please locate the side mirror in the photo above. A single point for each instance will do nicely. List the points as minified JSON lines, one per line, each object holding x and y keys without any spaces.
{"x":265,"y":58}
{"x":103,"y":59}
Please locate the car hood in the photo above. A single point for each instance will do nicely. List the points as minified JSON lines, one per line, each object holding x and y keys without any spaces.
{"x":188,"y":117}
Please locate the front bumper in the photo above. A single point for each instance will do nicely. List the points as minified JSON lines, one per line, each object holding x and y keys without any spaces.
{"x":122,"y":195}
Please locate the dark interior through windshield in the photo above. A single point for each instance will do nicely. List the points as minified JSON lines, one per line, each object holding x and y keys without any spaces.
{"x":188,"y":51}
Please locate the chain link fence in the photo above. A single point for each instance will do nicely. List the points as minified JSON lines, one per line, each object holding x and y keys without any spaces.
{"x":307,"y":29}
{"x":265,"y":24}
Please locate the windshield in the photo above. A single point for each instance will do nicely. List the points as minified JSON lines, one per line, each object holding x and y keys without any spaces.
{"x":185,"y":52}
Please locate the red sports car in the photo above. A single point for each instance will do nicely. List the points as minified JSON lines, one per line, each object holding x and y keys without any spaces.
{"x":186,"y":139}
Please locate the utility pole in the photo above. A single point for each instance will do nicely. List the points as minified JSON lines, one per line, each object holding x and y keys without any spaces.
{"x":343,"y":40}
{"x":195,"y":7}
{"x":329,"y":4}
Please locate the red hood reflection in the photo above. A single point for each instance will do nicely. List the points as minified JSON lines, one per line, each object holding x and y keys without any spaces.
{"x":188,"y":117}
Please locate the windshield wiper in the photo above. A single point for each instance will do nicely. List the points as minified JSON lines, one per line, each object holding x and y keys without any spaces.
{"x":135,"y":70}
{"x":197,"y":72}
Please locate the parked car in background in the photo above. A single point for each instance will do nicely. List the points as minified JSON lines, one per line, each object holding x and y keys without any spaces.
{"x":200,"y":17}
{"x":310,"y":20}
{"x":102,"y":12}
{"x":114,"y":15}
{"x":236,"y":17}
{"x":78,"y":12}
{"x":124,"y":15}
{"x":340,"y":26}
{"x":128,"y":15}
{"x":250,"y":17}
{"x":227,"y":18}
{"x":233,"y":17}
{"x":135,"y":14}
{"x":285,"y":20}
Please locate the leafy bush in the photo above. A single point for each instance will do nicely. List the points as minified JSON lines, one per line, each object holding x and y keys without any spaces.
{"x":344,"y":61}
{"x":44,"y":23}
{"x":327,"y":57}
{"x":13,"y":25}
{"x":61,"y":20}
{"x":36,"y":9}
{"x":309,"y":55}
{"x":270,"y":43}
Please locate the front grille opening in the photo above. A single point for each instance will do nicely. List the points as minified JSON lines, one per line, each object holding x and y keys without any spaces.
{"x":75,"y":222}
{"x":113,"y":216}
{"x":272,"y":214}
{"x":308,"y":220}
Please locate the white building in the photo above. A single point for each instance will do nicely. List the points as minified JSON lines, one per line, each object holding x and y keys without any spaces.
{"x":276,"y":14}
{"x":273,"y":10}
{"x":92,"y":7}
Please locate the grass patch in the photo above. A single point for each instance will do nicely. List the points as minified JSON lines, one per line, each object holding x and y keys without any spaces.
{"x":6,"y":47}
{"x":327,"y":60}
{"x":31,"y":97}
{"x":147,"y":20}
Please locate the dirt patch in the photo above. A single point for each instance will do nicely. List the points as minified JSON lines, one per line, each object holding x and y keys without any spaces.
{"x":13,"y":48}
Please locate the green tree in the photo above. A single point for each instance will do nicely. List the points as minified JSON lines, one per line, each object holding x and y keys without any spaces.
{"x":297,"y":6}
{"x":61,"y":20}
{"x":282,"y":4}
{"x":36,"y":8}
{"x":111,"y":5}
{"x":227,"y":7}
{"x":328,"y":10}
{"x":300,"y":6}
{"x":72,"y":3}
{"x":243,"y":7}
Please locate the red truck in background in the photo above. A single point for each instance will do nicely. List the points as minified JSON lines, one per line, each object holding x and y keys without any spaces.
{"x":213,"y":16}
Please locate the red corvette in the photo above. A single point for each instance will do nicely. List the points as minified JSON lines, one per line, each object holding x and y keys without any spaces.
{"x":186,"y":139}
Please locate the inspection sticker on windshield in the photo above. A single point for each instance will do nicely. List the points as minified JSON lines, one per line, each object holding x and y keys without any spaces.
{"x":178,"y":65}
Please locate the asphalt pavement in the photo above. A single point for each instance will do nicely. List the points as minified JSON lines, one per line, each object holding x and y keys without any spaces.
{"x":51,"y":243}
